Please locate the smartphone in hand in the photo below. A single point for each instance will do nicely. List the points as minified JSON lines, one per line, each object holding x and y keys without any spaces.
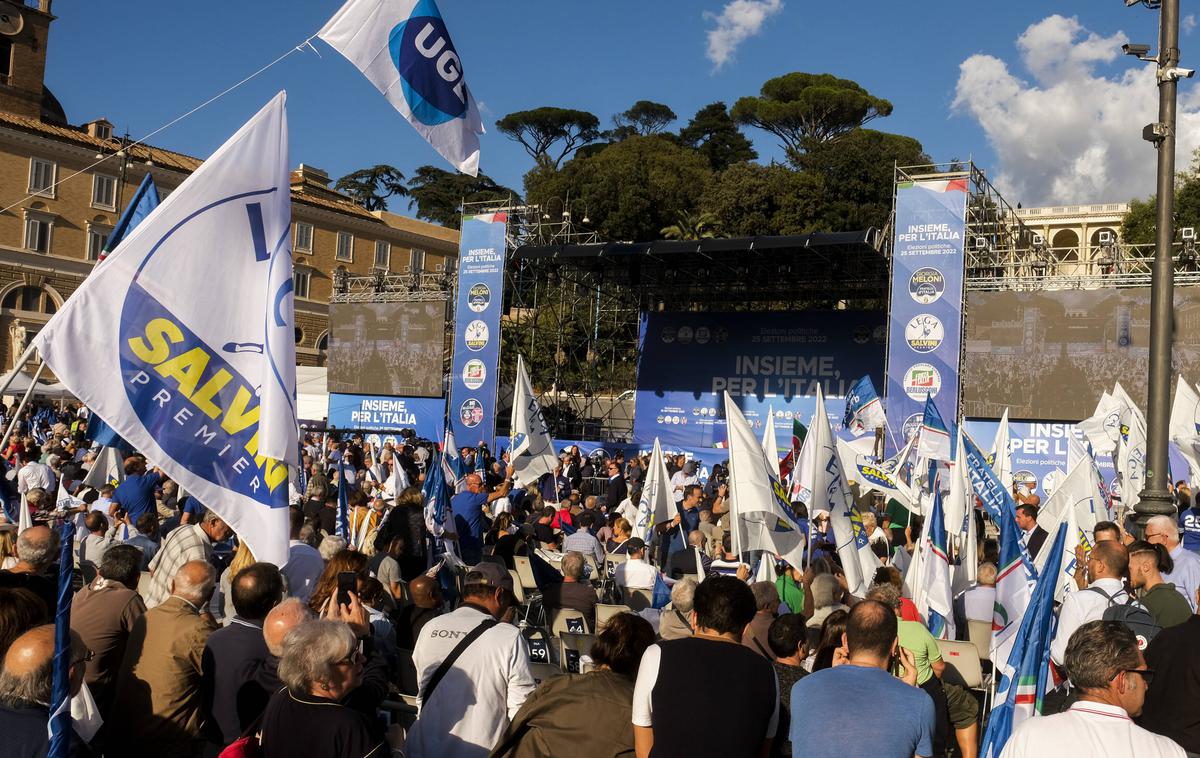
{"x":347,"y":582}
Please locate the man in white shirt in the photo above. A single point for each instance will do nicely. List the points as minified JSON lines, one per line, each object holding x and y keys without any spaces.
{"x":1186,"y":575}
{"x":473,"y":703}
{"x":979,"y":602}
{"x":32,"y":475}
{"x":636,"y":573}
{"x":1106,"y":567}
{"x":682,"y":478}
{"x":1111,"y":675}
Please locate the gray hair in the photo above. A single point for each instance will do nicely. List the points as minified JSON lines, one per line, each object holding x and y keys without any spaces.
{"x":38,"y":553}
{"x":1098,"y":651}
{"x":572,"y":565}
{"x":210,"y":515}
{"x":766,"y":597}
{"x":683,"y":594}
{"x":331,"y":546}
{"x":823,"y":586}
{"x":886,"y":593}
{"x":310,"y":651}
{"x":1165,"y":524}
{"x":195,"y":593}
{"x":987,"y":573}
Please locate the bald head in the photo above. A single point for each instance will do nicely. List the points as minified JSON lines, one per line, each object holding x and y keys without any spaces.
{"x":27,"y":676}
{"x":282,"y":619}
{"x":424,"y":592}
{"x":36,"y":547}
{"x":194,"y":582}
{"x":1109,"y":560}
{"x":30,"y":651}
{"x":696,"y":538}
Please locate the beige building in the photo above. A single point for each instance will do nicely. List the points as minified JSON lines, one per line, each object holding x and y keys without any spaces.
{"x":63,"y":188}
{"x":1077,"y":237}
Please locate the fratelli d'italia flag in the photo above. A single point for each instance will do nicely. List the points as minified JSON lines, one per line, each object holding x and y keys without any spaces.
{"x":184,"y":340}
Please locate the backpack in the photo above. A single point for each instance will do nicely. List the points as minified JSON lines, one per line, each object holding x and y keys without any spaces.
{"x":1133,"y":615}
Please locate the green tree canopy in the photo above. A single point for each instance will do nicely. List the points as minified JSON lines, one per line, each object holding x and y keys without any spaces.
{"x":691,"y":226}
{"x":645,"y":118}
{"x":1140,"y":222}
{"x":807,"y":110}
{"x":717,"y":137}
{"x":371,"y":187}
{"x":631,"y":190}
{"x":439,"y":195}
{"x":549,"y":134}
{"x":748,"y":199}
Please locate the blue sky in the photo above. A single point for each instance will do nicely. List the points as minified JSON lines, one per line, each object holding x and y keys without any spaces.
{"x":158,"y":60}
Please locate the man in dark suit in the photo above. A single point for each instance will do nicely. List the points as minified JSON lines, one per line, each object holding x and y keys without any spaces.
{"x":1035,"y":536}
{"x":234,"y":656}
{"x":617,"y":490}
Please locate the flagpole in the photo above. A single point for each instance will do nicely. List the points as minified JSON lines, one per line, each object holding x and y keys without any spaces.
{"x":60,"y":720}
{"x":24,"y":400}
{"x":20,"y":364}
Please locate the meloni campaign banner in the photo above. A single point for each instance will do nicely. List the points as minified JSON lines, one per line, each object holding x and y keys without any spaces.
{"x":184,"y":339}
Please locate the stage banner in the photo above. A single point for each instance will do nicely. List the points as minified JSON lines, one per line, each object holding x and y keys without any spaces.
{"x":768,"y":362}
{"x":925,"y":331}
{"x":387,"y":413}
{"x":481,"y":253}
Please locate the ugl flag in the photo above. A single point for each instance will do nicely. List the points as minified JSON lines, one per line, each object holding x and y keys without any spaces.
{"x":864,"y":411}
{"x":403,"y":48}
{"x":532,"y":449}
{"x":184,"y":340}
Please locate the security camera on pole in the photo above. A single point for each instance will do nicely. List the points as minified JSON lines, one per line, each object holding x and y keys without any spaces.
{"x":1156,"y":498}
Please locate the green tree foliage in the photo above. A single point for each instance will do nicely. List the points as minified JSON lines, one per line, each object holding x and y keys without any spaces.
{"x":747,"y":200}
{"x":631,"y":189}
{"x":1139,"y":224}
{"x":438,"y":195}
{"x":645,"y":118}
{"x":691,"y":226}
{"x":550,"y":134}
{"x":857,"y":175}
{"x":808,"y":110}
{"x":717,"y":137}
{"x":371,"y":187}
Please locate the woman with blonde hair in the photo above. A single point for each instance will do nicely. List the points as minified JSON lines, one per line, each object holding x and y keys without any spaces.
{"x":345,"y":560}
{"x":8,"y":547}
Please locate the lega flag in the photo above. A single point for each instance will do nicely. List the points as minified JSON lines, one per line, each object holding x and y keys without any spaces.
{"x":403,"y":48}
{"x":184,"y":340}
{"x":532,"y":449}
{"x":760,"y":514}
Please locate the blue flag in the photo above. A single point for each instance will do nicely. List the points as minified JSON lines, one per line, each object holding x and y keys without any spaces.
{"x":343,"y":514}
{"x":1022,"y":693}
{"x":662,"y":593}
{"x":435,"y":492}
{"x":60,"y":690}
{"x":864,"y":410}
{"x":934,"y":442}
{"x":544,"y":575}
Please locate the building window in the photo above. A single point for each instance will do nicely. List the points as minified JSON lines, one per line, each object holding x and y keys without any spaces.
{"x":383,"y":254}
{"x":37,"y":233}
{"x":304,"y":235}
{"x":97,"y":238}
{"x":345,"y":247}
{"x":104,"y":192}
{"x":42,"y":175}
{"x":416,"y":261}
{"x":28,"y":298}
{"x":299,"y":335}
{"x":104,"y":131}
{"x":301,"y":281}
{"x":5,"y":60}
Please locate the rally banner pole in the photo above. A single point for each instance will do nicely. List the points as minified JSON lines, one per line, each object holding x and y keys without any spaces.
{"x":21,"y":363}
{"x":12,"y":424}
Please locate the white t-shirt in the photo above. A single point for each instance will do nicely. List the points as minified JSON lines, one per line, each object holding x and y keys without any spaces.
{"x":478,"y":696}
{"x":1094,"y":729}
{"x":635,"y":574}
{"x":979,"y":603}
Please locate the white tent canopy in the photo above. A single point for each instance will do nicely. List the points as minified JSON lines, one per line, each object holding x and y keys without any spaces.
{"x":20,"y":384}
{"x":312,"y":393}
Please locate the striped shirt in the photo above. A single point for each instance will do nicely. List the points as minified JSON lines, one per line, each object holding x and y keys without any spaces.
{"x":583,"y":542}
{"x":186,"y":543}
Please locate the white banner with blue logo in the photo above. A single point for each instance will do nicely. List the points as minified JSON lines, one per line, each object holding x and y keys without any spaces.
{"x":403,"y":48}
{"x":481,"y":254}
{"x":925,"y":332}
{"x":184,"y":340}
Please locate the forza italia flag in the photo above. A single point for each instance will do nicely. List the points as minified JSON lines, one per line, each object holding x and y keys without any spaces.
{"x":404,"y":49}
{"x":184,"y":341}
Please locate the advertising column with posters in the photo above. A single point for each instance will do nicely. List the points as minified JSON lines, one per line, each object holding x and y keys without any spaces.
{"x":925,"y":329}
{"x":477,"y":329}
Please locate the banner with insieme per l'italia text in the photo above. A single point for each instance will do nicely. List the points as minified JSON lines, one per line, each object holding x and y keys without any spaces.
{"x":925,"y":329}
{"x":477,"y":329}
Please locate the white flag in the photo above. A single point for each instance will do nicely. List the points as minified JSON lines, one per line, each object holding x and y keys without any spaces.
{"x":403,"y":48}
{"x":759,"y":506}
{"x":830,"y":492}
{"x":184,"y":342}
{"x":960,"y":501}
{"x":1002,"y":453}
{"x":1185,"y":427}
{"x":1102,"y":428}
{"x":532,"y":450}
{"x":1130,"y":455}
{"x":769,"y":445}
{"x":655,"y":505}
{"x":108,"y":468}
{"x":1073,"y":501}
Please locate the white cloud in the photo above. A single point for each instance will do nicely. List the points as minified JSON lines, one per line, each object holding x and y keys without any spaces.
{"x":1189,"y":24}
{"x":738,"y":21}
{"x":1072,"y":135}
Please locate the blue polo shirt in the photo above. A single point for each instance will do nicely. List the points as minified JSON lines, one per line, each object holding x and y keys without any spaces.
{"x":136,"y":494}
{"x":1189,"y":528}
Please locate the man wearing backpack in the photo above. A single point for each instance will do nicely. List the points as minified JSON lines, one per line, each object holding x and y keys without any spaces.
{"x":1107,"y":567}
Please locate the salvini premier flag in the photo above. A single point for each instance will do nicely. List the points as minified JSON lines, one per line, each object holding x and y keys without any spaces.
{"x":404,"y":49}
{"x":184,"y":339}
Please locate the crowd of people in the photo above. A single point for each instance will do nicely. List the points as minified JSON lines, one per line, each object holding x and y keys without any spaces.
{"x":537,"y":623}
